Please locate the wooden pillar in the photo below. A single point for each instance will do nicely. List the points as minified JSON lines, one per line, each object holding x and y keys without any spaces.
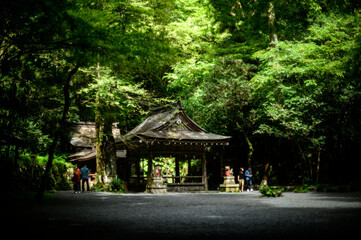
{"x":124,"y":169}
{"x":137,"y":168}
{"x":222,"y":167}
{"x":150,"y":167}
{"x":189,"y":166}
{"x":177,"y":180}
{"x":204,"y":171}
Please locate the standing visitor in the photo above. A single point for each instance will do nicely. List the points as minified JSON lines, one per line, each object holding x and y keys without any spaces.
{"x":248,"y":175}
{"x":240,"y":179}
{"x":84,"y":177}
{"x":76,"y":180}
{"x":78,"y":174}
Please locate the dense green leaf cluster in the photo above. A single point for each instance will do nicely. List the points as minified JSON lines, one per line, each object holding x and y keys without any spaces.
{"x":284,"y":74}
{"x":30,"y":169}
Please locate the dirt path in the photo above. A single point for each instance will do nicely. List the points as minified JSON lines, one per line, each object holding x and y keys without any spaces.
{"x":181,"y":215}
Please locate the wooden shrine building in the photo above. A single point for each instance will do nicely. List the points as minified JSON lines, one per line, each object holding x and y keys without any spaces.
{"x":170,"y":132}
{"x":167,"y":132}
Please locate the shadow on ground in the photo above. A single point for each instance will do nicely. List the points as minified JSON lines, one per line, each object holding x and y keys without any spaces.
{"x":92,"y":215}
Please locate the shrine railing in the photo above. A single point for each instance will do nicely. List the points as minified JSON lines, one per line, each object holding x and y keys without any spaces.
{"x":183,"y":179}
{"x":172,"y":179}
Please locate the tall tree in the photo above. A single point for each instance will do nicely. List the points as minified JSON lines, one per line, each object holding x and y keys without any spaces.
{"x":42,"y":46}
{"x":112,"y":99}
{"x":137,"y":38}
{"x":301,"y":86}
{"x":292,"y":84}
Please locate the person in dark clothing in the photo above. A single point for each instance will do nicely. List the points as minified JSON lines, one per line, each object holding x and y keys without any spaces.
{"x":249,"y":176}
{"x":240,"y":178}
{"x":76,"y":180}
{"x":84,"y":177}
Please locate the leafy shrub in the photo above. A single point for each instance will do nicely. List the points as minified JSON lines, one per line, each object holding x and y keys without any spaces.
{"x":99,"y":187}
{"x":301,"y":190}
{"x":270,"y":192}
{"x":118,"y":185}
{"x":309,"y":187}
{"x":31,"y":169}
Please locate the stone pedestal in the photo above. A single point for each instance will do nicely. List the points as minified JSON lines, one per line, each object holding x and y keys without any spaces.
{"x":229,"y":180}
{"x":229,"y":184}
{"x":155,"y":182}
{"x":156,"y":185}
{"x":228,"y":187}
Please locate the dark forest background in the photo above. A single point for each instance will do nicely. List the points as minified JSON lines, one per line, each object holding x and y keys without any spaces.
{"x":282,"y":77}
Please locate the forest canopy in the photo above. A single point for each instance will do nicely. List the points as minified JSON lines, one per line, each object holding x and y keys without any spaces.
{"x":283,"y":78}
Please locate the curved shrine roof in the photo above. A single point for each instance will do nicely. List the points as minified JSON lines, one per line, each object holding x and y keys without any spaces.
{"x":173,"y":125}
{"x":83,"y":134}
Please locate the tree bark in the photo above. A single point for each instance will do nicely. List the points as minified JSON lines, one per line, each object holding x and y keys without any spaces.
{"x":99,"y":144}
{"x":265,"y":175}
{"x":307,"y":168}
{"x":108,"y":150}
{"x":271,"y":24}
{"x":318,"y":166}
{"x":49,"y":164}
{"x":99,"y":135}
{"x":250,"y":150}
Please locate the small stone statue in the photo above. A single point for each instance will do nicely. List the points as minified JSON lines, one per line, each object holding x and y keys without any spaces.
{"x":228,"y":178}
{"x":229,"y":184}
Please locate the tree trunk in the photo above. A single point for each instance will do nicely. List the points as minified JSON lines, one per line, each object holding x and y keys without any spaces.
{"x":99,"y":135}
{"x":318,"y":165}
{"x":265,"y":175}
{"x":108,"y":148}
{"x":98,"y":144}
{"x":250,"y":151}
{"x":271,"y":24}
{"x":49,"y":164}
{"x":307,"y":168}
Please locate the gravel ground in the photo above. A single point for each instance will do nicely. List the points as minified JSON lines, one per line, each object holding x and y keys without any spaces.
{"x":95,"y":215}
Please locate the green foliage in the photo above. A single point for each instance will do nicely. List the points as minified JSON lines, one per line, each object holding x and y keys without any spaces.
{"x":31,"y":169}
{"x":267,"y":191}
{"x":110,"y":96}
{"x":168,"y":167}
{"x":117,"y":185}
{"x":99,"y":187}
{"x":301,"y":190}
{"x":300,"y":86}
{"x":219,"y":56}
{"x":26,"y":198}
{"x":305,"y":188}
{"x":225,"y":80}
